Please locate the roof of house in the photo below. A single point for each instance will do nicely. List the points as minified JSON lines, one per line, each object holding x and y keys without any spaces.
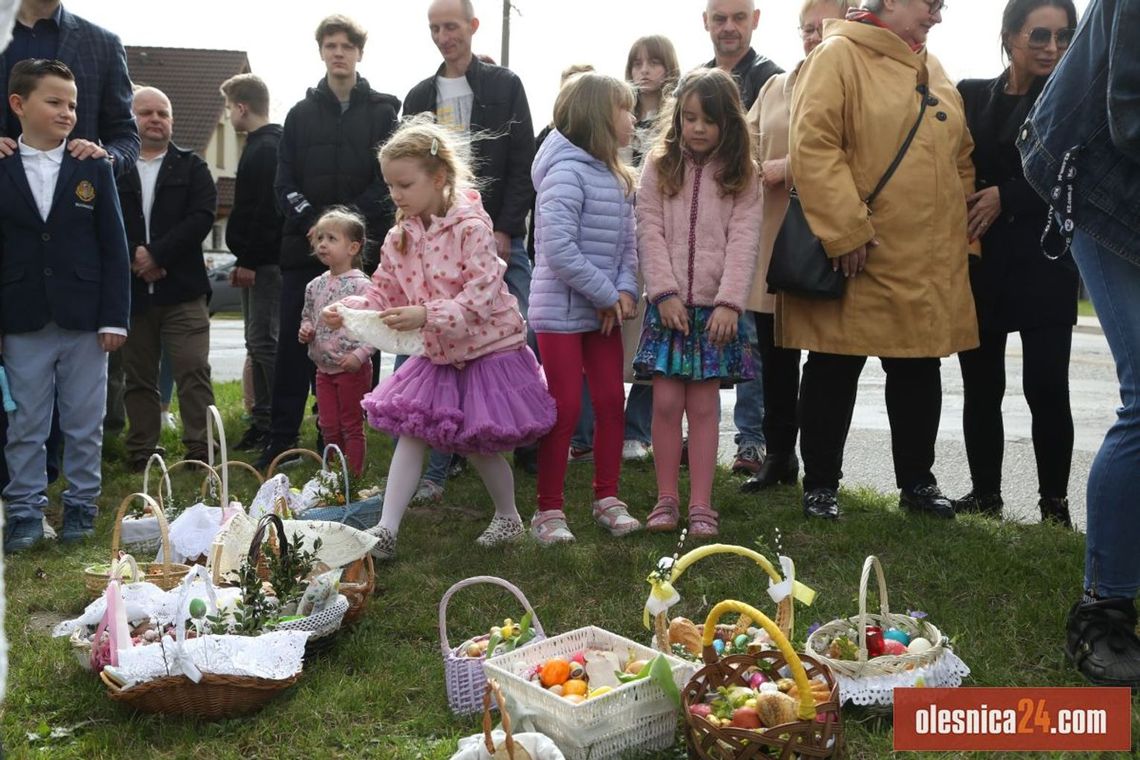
{"x":190,"y":77}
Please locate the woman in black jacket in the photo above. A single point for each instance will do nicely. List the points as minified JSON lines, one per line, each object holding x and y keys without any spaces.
{"x":1016,"y":288}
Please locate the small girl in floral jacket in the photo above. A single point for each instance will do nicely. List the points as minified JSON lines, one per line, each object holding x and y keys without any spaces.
{"x":344,"y":365}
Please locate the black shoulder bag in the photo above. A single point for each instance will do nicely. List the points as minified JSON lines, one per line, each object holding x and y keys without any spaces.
{"x":800,"y":266}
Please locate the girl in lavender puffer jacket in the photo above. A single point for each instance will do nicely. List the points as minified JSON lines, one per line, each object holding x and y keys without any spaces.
{"x":584,"y":285}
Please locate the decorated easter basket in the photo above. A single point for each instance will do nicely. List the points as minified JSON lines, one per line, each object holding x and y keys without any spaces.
{"x":361,"y":515}
{"x":205,"y":694}
{"x":79,"y":640}
{"x":636,"y":717}
{"x":504,"y":744}
{"x":141,"y":534}
{"x":466,"y":682}
{"x":870,"y":681}
{"x":783,"y":589}
{"x":322,"y":626}
{"x":357,"y":583}
{"x":811,"y":728}
{"x":166,"y":575}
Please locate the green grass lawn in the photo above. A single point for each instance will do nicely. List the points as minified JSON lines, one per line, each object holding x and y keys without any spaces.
{"x":1000,"y":591}
{"x":1085,"y":308}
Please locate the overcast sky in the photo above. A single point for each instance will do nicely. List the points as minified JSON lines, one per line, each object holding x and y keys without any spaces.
{"x":546,"y":36}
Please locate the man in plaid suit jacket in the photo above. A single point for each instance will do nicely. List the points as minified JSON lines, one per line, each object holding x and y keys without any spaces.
{"x":105,"y":124}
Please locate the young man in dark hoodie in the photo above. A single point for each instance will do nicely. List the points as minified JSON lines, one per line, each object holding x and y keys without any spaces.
{"x":327,"y":156}
{"x":253,"y":234}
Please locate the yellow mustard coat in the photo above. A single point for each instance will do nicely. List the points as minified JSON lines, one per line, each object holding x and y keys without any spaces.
{"x":853,"y":104}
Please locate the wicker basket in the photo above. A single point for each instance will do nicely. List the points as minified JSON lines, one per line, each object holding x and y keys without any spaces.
{"x":464,"y":675}
{"x":214,"y":697}
{"x":635,"y":717}
{"x":166,"y":575}
{"x":357,"y":583}
{"x":785,"y":611}
{"x":816,"y":733}
{"x":141,"y":535}
{"x":866,"y":667}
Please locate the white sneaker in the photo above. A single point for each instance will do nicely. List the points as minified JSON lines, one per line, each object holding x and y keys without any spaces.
{"x":634,"y":451}
{"x":429,"y":492}
{"x":168,"y":421}
{"x":549,"y":527}
{"x":385,"y":547}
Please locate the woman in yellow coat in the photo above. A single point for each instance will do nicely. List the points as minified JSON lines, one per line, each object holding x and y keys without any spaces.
{"x":907,"y":297}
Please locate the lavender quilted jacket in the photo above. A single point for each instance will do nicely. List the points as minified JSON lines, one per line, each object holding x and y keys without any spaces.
{"x":585,"y":239}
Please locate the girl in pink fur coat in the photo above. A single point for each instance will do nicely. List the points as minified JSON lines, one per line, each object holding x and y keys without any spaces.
{"x":698,"y":223}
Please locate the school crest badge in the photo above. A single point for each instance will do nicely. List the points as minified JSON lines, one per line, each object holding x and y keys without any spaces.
{"x":85,"y":191}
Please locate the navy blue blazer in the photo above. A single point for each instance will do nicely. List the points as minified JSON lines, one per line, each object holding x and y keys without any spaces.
{"x":103,"y":109}
{"x":73,"y":269}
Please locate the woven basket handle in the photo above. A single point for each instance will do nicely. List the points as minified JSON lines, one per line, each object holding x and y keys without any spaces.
{"x":343,"y":467}
{"x":157,"y":459}
{"x":259,"y":536}
{"x":807,"y":702}
{"x":494,"y":689}
{"x":444,"y":644}
{"x":211,"y":473}
{"x":884,"y":605}
{"x":214,"y":421}
{"x":272,"y":468}
{"x":163,"y":528}
{"x":225,"y":467}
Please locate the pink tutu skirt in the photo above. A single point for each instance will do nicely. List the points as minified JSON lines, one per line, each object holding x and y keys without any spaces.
{"x":496,"y":403}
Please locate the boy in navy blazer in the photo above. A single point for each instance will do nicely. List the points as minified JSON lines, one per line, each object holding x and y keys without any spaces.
{"x":64,"y":302}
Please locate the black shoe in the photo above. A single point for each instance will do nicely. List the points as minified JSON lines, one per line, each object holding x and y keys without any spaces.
{"x":822,"y":504}
{"x":1054,"y":509}
{"x":928,"y":500}
{"x":320,"y":447}
{"x":974,"y":503}
{"x":685,"y":451}
{"x":526,"y":458}
{"x":196,"y":455}
{"x":1101,"y":642}
{"x":253,"y":439}
{"x":271,"y":452}
{"x":776,"y":470}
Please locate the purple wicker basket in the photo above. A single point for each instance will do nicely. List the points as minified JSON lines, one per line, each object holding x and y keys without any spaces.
{"x":464,"y":675}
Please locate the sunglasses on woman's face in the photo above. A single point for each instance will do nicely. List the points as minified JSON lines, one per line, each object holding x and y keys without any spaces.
{"x":1039,"y":37}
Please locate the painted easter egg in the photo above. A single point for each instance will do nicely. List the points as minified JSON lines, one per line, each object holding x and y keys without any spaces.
{"x":897,"y":635}
{"x":919,"y":645}
{"x":197,"y":609}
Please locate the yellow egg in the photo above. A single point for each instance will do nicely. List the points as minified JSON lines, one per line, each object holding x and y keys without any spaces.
{"x":600,"y":691}
{"x":634,"y":667}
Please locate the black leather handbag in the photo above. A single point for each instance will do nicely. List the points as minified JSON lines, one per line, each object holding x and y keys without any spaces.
{"x":800,"y":265}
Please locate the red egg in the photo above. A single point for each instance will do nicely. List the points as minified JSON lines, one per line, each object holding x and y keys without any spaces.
{"x":890,"y":646}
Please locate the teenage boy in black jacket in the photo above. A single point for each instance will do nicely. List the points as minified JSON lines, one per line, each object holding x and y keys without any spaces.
{"x":169,"y":200}
{"x":253,"y":235}
{"x":327,"y":156}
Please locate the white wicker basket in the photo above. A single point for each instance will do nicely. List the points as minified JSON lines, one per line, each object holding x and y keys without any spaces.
{"x":634,"y":716}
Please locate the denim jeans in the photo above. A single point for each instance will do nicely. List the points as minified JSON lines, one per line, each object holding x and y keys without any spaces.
{"x":1112,"y":563}
{"x":748,"y":414}
{"x":518,"y":276}
{"x":638,"y":417}
{"x":439,"y":462}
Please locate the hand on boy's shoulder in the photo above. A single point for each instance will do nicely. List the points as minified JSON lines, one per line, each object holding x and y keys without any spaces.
{"x":79,"y":149}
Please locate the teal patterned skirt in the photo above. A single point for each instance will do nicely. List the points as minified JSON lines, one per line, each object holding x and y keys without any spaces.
{"x":671,"y":353}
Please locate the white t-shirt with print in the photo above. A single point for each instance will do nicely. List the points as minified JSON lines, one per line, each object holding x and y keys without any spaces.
{"x":453,"y":106}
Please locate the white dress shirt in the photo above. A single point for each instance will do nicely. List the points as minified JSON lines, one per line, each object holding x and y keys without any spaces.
{"x":148,"y":179}
{"x":41,"y":167}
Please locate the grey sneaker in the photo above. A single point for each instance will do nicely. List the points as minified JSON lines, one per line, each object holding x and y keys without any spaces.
{"x":749,"y":458}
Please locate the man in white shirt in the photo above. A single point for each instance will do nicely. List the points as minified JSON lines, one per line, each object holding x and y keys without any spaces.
{"x":64,"y":302}
{"x":168,"y":203}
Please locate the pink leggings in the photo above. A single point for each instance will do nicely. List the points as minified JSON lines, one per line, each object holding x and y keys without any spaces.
{"x":565,"y":356}
{"x":339,"y":414}
{"x":700,"y":402}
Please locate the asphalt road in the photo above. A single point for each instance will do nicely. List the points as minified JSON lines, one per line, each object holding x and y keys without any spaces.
{"x":867,"y":459}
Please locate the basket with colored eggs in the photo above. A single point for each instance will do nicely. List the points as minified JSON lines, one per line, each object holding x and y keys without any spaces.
{"x":682,"y":637}
{"x":598,"y":695}
{"x":765,"y":703}
{"x":872,"y":653}
{"x":463,"y":665}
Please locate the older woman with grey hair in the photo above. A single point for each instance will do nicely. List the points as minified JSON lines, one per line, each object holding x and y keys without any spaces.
{"x":869,"y":84}
{"x":780,"y":367}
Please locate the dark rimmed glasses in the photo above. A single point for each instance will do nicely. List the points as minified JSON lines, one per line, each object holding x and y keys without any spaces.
{"x":1039,"y":37}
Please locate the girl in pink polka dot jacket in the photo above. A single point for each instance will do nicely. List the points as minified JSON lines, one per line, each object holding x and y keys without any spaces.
{"x":478,"y":389}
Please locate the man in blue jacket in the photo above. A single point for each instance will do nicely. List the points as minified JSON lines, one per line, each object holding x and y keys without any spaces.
{"x":1081,"y":152}
{"x":64,"y":302}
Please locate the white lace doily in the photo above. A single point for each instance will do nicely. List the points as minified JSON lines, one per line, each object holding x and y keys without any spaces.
{"x":341,"y":545}
{"x":314,"y":491}
{"x":267,"y":495}
{"x":140,"y":532}
{"x":192,"y":532}
{"x":142,"y":601}
{"x":275,"y":655}
{"x":365,"y":326}
{"x":947,"y":671}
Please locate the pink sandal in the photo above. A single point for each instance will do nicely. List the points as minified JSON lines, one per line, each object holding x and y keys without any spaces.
{"x":664,"y":517}
{"x":703,"y":522}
